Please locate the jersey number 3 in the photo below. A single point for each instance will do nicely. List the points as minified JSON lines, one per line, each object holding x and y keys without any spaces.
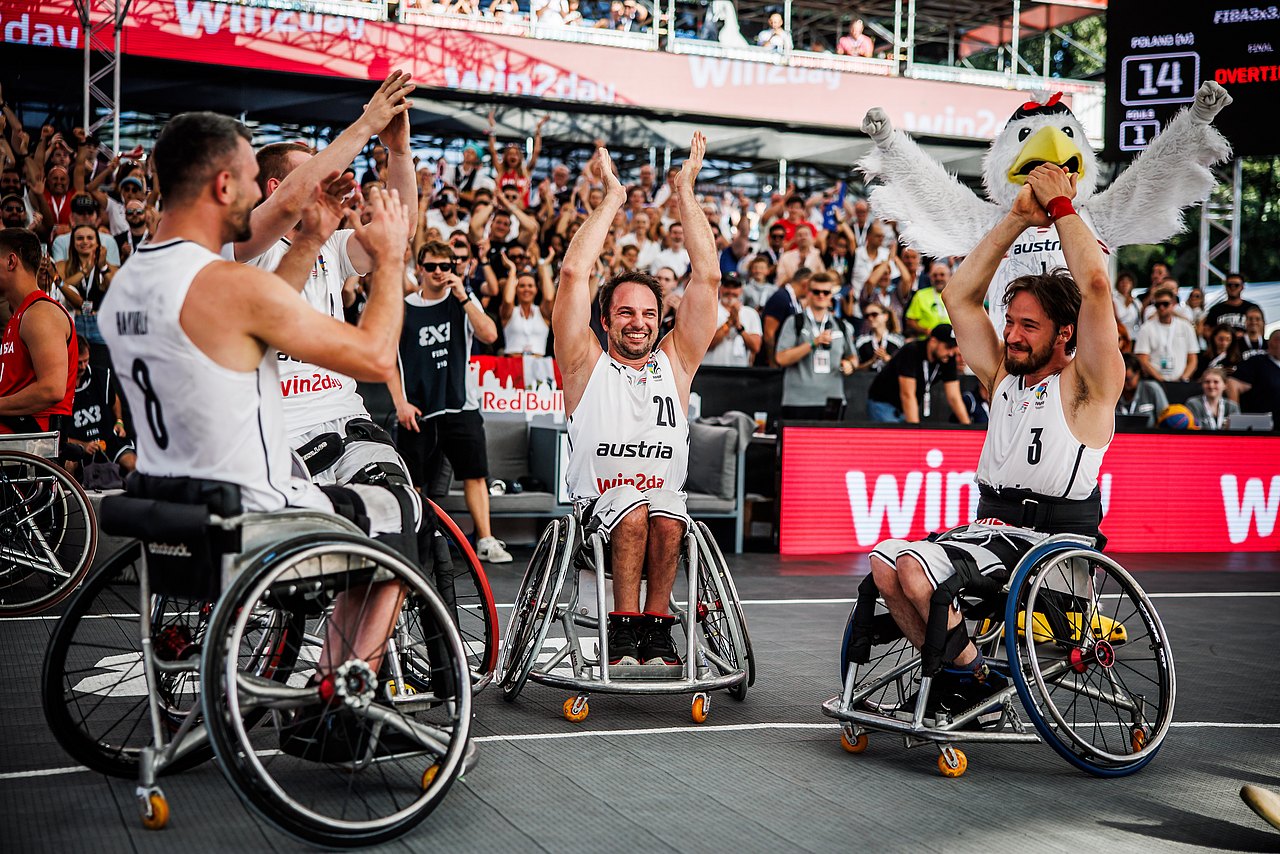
{"x":666,"y":411}
{"x":1035,"y":449}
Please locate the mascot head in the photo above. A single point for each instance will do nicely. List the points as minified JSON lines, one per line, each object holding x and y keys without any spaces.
{"x":1040,"y":131}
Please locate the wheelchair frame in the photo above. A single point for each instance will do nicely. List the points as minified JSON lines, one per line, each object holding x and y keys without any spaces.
{"x":860,"y":714}
{"x":19,"y":524}
{"x":307,"y":540}
{"x":705,"y":572}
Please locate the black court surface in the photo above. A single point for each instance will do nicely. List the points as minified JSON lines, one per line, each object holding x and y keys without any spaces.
{"x":765,"y":775}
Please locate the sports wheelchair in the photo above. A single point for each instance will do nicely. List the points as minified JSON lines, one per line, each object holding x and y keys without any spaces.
{"x":1091,"y":666}
{"x":48,"y":535}
{"x":715,"y":646}
{"x":203,"y":638}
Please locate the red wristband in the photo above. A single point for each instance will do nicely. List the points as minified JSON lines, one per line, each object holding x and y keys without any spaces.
{"x":1059,"y":207}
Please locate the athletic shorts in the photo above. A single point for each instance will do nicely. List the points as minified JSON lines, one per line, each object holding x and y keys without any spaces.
{"x":604,"y":512}
{"x":991,"y":546}
{"x":117,"y":447}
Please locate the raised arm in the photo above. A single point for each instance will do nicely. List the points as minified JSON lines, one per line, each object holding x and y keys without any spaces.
{"x":963,"y":296}
{"x":1098,"y":362}
{"x":272,"y":219}
{"x":575,"y":347}
{"x":537,"y":147}
{"x":320,"y":218}
{"x":696,"y":320}
{"x":508,"y":291}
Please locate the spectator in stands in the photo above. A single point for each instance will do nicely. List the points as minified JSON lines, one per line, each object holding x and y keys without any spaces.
{"x":758,"y":287}
{"x":96,"y":425}
{"x":903,"y":388}
{"x":879,"y":290}
{"x":774,"y":247}
{"x":13,"y":213}
{"x":857,"y":43}
{"x":436,"y":397}
{"x":52,"y":194}
{"x":861,"y":221}
{"x":501,"y":10}
{"x":1128,"y":309}
{"x":638,"y":236}
{"x":647,"y":182}
{"x":135,"y":215}
{"x":1222,"y":351}
{"x":470,"y":175}
{"x":878,"y":344}
{"x":1211,"y":408}
{"x":1159,"y":271}
{"x":85,"y":276}
{"x":739,"y":334}
{"x":84,"y":211}
{"x":787,"y":301}
{"x":1256,"y":382}
{"x":805,"y":254}
{"x":871,"y":252}
{"x":816,"y":349}
{"x":1169,"y":284}
{"x":673,"y":254}
{"x":527,"y":300}
{"x":926,"y":309}
{"x":796,"y":219}
{"x":1195,"y":305}
{"x":131,"y":188}
{"x":445,"y":216}
{"x":1231,"y":310}
{"x":625,"y":15}
{"x":1253,"y":342}
{"x":1166,"y":346}
{"x":669,"y":282}
{"x":1140,"y":396}
{"x":838,"y":259}
{"x":511,"y":168}
{"x":776,"y":37}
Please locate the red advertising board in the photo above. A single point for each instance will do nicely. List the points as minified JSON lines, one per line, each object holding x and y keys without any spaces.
{"x":243,"y":36}
{"x":843,"y":489}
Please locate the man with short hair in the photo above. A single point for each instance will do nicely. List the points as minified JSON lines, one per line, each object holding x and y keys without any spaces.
{"x":96,"y":425}
{"x":1141,"y":397}
{"x":857,"y":43}
{"x":786,"y":302}
{"x":13,"y":213}
{"x":805,"y":254}
{"x":135,"y":214}
{"x":1167,"y":347}
{"x":445,"y":216}
{"x":796,"y":219}
{"x":84,"y":211}
{"x":1231,"y":310}
{"x":903,"y":389}
{"x":38,"y":351}
{"x":1052,"y":420}
{"x":634,"y":394}
{"x":927,"y":308}
{"x":1253,"y":342}
{"x":195,"y":335}
{"x":738,"y":333}
{"x":674,"y":253}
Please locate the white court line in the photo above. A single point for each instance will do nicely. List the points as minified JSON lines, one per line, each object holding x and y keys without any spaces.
{"x":670,"y":730}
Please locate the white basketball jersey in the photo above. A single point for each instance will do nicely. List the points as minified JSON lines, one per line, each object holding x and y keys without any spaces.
{"x":1036,"y":251}
{"x":629,"y":428}
{"x":194,"y":417}
{"x":314,"y":395}
{"x":1030,"y":446}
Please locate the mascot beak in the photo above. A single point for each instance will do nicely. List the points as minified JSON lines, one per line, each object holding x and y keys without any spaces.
{"x":1047,"y":145}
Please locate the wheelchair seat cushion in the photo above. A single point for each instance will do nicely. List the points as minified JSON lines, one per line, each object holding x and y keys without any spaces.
{"x":182,"y":548}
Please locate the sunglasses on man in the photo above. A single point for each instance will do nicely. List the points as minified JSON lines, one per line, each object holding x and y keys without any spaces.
{"x":433,"y":266}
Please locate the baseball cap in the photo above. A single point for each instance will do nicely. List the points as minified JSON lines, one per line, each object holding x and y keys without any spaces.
{"x":944,"y":333}
{"x":11,"y":197}
{"x":84,"y":203}
{"x":137,"y":182}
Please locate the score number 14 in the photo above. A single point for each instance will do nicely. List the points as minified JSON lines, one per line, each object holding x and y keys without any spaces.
{"x":1168,"y":78}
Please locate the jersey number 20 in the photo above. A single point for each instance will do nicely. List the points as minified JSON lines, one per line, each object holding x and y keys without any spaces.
{"x":666,"y":411}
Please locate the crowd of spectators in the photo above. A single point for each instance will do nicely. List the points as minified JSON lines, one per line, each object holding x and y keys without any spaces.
{"x":813,"y":281}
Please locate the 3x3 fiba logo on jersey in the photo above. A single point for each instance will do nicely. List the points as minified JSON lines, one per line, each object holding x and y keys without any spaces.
{"x":440,"y":333}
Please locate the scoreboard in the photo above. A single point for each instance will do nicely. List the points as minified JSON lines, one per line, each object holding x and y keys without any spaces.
{"x":1158,"y":54}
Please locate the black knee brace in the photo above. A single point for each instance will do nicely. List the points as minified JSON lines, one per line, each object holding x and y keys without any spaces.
{"x":392,"y":478}
{"x":941,"y":644}
{"x":347,"y":504}
{"x":321,"y":453}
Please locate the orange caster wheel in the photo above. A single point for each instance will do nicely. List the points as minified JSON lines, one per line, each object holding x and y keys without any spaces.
{"x":1138,"y":739}
{"x":856,"y":744}
{"x":701,"y":708}
{"x":429,"y":776}
{"x":576,"y":709}
{"x":155,"y":810}
{"x":952,"y":762}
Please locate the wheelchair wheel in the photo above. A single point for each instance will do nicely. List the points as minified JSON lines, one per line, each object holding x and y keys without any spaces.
{"x":719,"y":613}
{"x":893,"y":663}
{"x":1091,"y":660}
{"x":462,"y":583}
{"x":535,"y":604}
{"x":48,"y":534}
{"x":364,"y":752}
{"x":94,"y":689}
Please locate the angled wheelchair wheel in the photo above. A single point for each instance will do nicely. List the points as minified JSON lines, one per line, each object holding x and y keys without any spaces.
{"x":94,"y":688}
{"x":460,"y":579}
{"x":48,"y":534}
{"x":535,"y":604}
{"x":355,"y":748}
{"x":892,"y":669}
{"x":719,"y":613}
{"x":1090,"y":660}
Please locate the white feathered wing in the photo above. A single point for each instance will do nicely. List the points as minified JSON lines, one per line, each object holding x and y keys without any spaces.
{"x":935,"y":213}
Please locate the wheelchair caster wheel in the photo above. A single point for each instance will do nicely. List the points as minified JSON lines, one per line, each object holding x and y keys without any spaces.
{"x":429,"y":776}
{"x":701,"y":708}
{"x":576,"y":709}
{"x":1138,"y":738}
{"x":154,"y":809}
{"x":952,"y":762}
{"x":853,"y":743}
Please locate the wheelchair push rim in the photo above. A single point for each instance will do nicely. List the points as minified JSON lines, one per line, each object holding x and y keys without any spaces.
{"x":1092,"y":664}
{"x":535,"y":605}
{"x":475,"y":612}
{"x":370,"y":796}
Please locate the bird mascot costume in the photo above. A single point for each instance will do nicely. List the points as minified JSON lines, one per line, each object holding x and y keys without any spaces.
{"x":939,"y":216}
